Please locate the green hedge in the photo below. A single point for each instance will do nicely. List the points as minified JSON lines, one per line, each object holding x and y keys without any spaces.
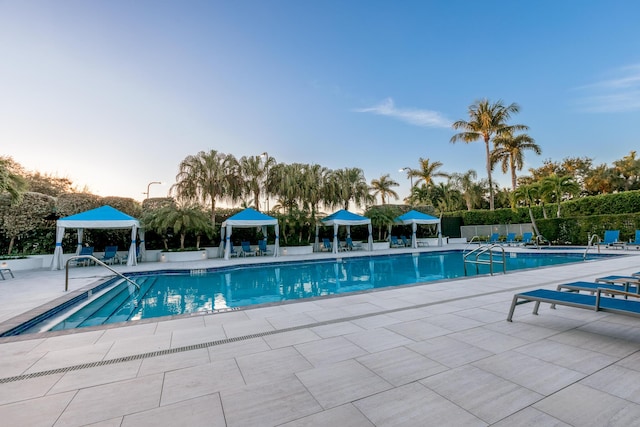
{"x":576,"y":231}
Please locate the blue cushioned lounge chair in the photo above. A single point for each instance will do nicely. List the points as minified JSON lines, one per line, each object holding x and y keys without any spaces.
{"x":85,"y":250}
{"x":326,"y":245}
{"x":636,"y":242}
{"x":611,"y":238}
{"x":494,"y":238}
{"x":262,"y":246}
{"x":511,"y":239}
{"x":596,"y":302}
{"x":246,"y":249}
{"x":353,"y":246}
{"x":405,"y":242}
{"x":110,"y":255}
{"x":526,"y":238}
{"x":394,"y":242}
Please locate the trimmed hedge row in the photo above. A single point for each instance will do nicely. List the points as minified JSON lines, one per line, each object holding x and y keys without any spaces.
{"x":577,"y":230}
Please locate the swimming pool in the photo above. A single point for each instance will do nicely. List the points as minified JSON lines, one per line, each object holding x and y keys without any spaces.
{"x":177,"y":292}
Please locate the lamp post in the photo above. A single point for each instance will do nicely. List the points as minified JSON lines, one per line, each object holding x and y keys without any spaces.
{"x":266,"y":164}
{"x":149,"y":185}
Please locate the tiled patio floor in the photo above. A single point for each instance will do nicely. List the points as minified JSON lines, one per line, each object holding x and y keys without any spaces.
{"x":437,"y":354}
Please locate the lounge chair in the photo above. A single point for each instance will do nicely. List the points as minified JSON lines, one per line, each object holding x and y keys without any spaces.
{"x":262,"y":247}
{"x":636,"y":242}
{"x":593,"y":287}
{"x":572,"y":299}
{"x":394,"y":243}
{"x":511,"y":239}
{"x":110,"y":255}
{"x":494,"y":238}
{"x":326,"y":245}
{"x":526,"y":238}
{"x":232,"y":250}
{"x":353,"y":246}
{"x":611,"y":238}
{"x":85,"y":250}
{"x":246,"y":249}
{"x":405,"y":242}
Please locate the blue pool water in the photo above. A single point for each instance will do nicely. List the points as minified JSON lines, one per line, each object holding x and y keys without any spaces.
{"x":180,"y":292}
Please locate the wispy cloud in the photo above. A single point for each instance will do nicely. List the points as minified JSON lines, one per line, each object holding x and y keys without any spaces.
{"x":621,"y":93}
{"x":425,"y":118}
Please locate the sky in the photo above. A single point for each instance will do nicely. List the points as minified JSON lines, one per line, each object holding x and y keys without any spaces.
{"x":115,"y":94}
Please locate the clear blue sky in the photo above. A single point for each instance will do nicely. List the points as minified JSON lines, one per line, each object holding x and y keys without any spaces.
{"x":114,"y":94}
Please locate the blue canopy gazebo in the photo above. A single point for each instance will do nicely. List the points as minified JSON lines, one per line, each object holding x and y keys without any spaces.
{"x":248,"y":218}
{"x":102,"y":217}
{"x":414,"y":218}
{"x":346,"y":218}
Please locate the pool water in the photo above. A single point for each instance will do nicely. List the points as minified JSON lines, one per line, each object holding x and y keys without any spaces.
{"x":174,"y":293}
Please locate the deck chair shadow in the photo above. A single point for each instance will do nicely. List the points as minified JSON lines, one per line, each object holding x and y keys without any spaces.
{"x":262,"y":247}
{"x":110,"y":255}
{"x":246,"y":249}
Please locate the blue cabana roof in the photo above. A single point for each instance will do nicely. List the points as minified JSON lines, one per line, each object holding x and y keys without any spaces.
{"x":250,"y":217}
{"x":103,"y":213}
{"x":417,"y":217}
{"x":344,"y":217}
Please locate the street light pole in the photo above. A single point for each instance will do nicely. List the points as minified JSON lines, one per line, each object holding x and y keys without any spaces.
{"x":149,"y":185}
{"x":266,"y":163}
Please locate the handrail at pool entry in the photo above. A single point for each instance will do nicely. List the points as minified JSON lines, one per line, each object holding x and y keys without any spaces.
{"x":97,"y":261}
{"x":481,"y":250}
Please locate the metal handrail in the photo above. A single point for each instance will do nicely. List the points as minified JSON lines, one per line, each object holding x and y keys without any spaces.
{"x":481,"y":250}
{"x":97,"y":261}
{"x":473,"y":239}
{"x":591,"y":239}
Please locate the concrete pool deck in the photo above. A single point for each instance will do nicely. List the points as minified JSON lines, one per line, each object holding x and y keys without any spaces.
{"x":433,"y":354}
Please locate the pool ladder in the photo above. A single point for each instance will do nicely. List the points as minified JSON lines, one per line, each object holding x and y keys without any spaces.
{"x":481,"y":250}
{"x":97,"y":261}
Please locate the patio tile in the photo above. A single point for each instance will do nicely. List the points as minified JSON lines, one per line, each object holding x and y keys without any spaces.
{"x":485,"y":395}
{"x":482,"y":315}
{"x":414,"y":405}
{"x":525,"y":331}
{"x":238,"y":348}
{"x":225,"y":317}
{"x":107,"y":401}
{"x":337,"y":329}
{"x":580,"y":405}
{"x":14,"y":365}
{"x":195,"y":321}
{"x":568,"y":356}
{"x":70,"y":356}
{"x":139,"y":345}
{"x":174,"y":361}
{"x":596,"y":342}
{"x":535,"y":374}
{"x":529,"y":417}
{"x":40,"y":412}
{"x":340,"y":383}
{"x":329,"y":350}
{"x":287,"y":339}
{"x":449,"y":352}
{"x":247,"y":327}
{"x":65,"y":342}
{"x":268,"y":404}
{"x":489,"y":340}
{"x":197,"y":381}
{"x":198,"y":335}
{"x":83,"y":378}
{"x":343,"y":416}
{"x":290,"y":320}
{"x":401,"y":366}
{"x":130,"y":331}
{"x":27,"y":389}
{"x":378,"y":339}
{"x":270,"y":365}
{"x":205,"y":410}
{"x":373,"y":322}
{"x":618,"y":381}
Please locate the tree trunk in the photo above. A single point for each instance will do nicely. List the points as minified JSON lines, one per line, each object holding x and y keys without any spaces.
{"x":488,"y":152}
{"x":533,"y":222}
{"x":11,"y":245}
{"x":182,"y":236}
{"x":513,"y":173}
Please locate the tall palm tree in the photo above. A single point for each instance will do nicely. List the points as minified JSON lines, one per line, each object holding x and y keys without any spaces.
{"x":427,"y":172}
{"x":486,"y":120}
{"x":208,"y":177}
{"x":382,"y":186}
{"x":10,"y":182}
{"x":529,"y":194}
{"x":559,"y":187}
{"x":349,"y":184}
{"x":509,"y":151}
{"x":253,"y":173}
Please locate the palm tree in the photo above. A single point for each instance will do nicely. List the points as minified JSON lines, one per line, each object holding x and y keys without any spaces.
{"x":529,"y":194}
{"x":182,"y":219}
{"x":446,"y":197}
{"x":208,"y":177}
{"x":509,"y":150}
{"x":253,"y":173}
{"x":427,"y":172}
{"x":465,"y":183}
{"x":10,"y":182}
{"x":559,"y":187}
{"x":349,"y":184}
{"x":382,"y":186}
{"x":486,"y":121}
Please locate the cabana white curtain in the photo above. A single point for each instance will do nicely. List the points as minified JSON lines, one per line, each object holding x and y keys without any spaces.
{"x":248,"y":218}
{"x":346,"y":218}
